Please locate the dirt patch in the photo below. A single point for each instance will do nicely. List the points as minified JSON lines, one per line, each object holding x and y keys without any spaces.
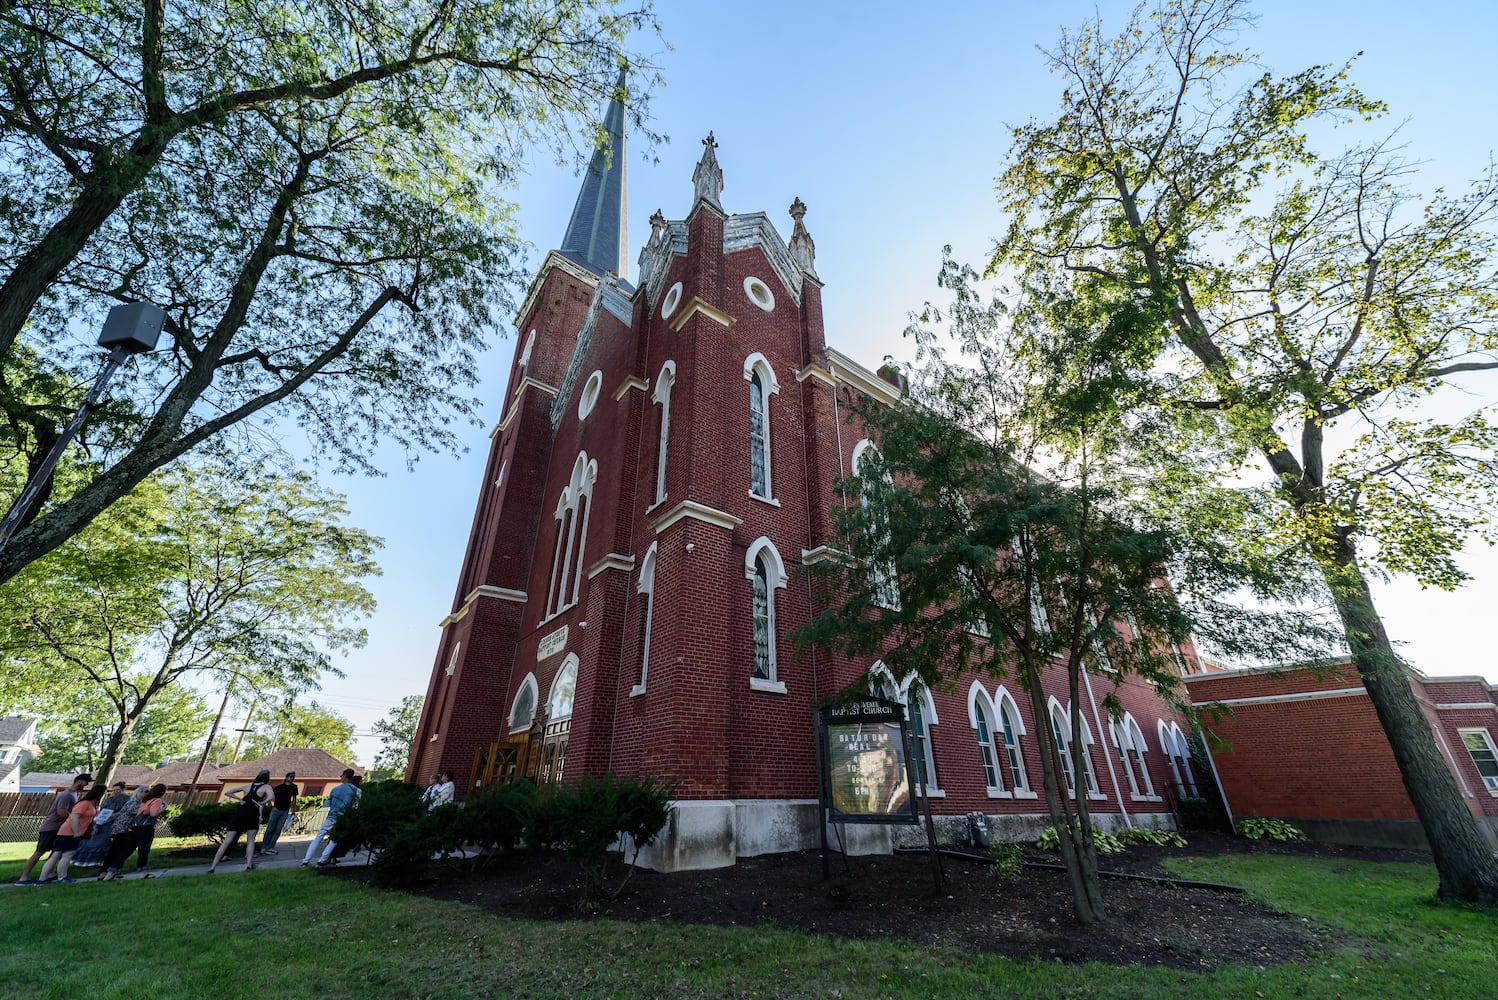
{"x":1027,"y":915}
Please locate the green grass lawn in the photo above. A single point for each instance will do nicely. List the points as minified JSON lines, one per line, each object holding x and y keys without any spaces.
{"x":251,"y":935}
{"x":13,"y":858}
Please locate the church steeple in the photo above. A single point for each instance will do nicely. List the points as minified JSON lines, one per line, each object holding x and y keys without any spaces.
{"x":596,"y":236}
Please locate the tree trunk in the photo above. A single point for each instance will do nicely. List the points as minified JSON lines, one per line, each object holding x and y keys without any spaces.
{"x":116,"y":749}
{"x":1464,"y":859}
{"x":1086,"y":895}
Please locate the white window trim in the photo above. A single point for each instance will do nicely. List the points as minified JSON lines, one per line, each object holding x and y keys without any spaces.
{"x":928,"y":716}
{"x":1089,"y":776}
{"x":980,"y":711}
{"x":758,"y":363}
{"x":1001,"y":698}
{"x":646,"y":587}
{"x":535,"y":690}
{"x":566,"y":572}
{"x":887,"y":591}
{"x":1492,"y":748}
{"x":776,"y":580}
{"x":664,"y":382}
{"x":569,"y":663}
{"x":588,"y":398}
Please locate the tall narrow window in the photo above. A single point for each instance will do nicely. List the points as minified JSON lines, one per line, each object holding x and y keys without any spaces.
{"x":984,"y":729}
{"x":1062,"y":726}
{"x":1173,"y":743}
{"x":558,"y":720}
{"x":766,"y":574}
{"x":647,"y":611}
{"x":1010,"y":729}
{"x":663,"y":384}
{"x":921,"y":743}
{"x":1121,"y":740}
{"x":1136,"y":749}
{"x":762,"y":385}
{"x":572,"y":532}
{"x":762,"y":629}
{"x":884,"y":583}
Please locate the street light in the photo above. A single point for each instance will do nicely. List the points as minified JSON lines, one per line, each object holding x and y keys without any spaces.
{"x":128,"y":329}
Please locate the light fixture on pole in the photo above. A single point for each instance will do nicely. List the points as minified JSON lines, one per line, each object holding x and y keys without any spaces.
{"x":128,"y":329}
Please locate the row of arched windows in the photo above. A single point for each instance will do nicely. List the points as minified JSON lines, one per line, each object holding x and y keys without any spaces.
{"x":762,"y":385}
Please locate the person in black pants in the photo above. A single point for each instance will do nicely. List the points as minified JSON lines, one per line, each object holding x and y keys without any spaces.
{"x":283,"y":806}
{"x":137,"y":837}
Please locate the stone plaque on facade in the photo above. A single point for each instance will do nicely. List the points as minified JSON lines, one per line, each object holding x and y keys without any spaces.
{"x":552,"y":644}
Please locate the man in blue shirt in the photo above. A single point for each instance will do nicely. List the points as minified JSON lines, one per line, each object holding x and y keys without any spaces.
{"x":340,"y":798}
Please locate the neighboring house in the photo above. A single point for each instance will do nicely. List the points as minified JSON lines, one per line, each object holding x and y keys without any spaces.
{"x":17,"y":745}
{"x":177,"y":776}
{"x":663,"y":467}
{"x":47,"y":781}
{"x":317,"y":771}
{"x":1306,"y":746}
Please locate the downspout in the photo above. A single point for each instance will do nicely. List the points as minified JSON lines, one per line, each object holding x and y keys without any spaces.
{"x":1107,"y":755}
{"x":1222,"y":792}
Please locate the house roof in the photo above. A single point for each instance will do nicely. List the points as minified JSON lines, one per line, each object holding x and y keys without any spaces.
{"x":6,"y":770}
{"x":14,"y":729}
{"x":305,"y":761}
{"x":52,"y":779}
{"x":131,"y":774}
{"x":178,"y":772}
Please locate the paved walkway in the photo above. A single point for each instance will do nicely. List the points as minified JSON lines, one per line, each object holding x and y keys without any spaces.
{"x":290,"y":856}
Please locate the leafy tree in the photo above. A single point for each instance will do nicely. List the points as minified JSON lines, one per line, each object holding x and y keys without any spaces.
{"x":312,"y":192}
{"x":397,"y":731}
{"x":1024,"y":543}
{"x":78,"y":729}
{"x":1308,"y":303}
{"x":215,"y":572}
{"x":293,"y":725}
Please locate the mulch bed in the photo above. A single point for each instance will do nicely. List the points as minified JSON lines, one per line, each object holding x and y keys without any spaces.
{"x":1027,"y":915}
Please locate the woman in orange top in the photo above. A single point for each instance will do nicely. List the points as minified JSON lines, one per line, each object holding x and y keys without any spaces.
{"x":72,"y":834}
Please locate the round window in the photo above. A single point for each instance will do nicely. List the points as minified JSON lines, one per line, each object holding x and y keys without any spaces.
{"x":672,"y":300}
{"x":759,"y":293}
{"x":590,"y":395}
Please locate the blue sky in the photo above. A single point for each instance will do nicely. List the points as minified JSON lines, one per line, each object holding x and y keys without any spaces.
{"x":888,"y":120}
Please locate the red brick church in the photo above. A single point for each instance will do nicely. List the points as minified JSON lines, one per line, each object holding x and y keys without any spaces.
{"x":663,"y":468}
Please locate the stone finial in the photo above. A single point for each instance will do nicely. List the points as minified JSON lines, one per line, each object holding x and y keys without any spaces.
{"x":707,"y":178}
{"x":648,"y":251}
{"x":803,"y":250}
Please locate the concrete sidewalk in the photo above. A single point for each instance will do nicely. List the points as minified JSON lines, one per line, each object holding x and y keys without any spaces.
{"x":290,"y":855}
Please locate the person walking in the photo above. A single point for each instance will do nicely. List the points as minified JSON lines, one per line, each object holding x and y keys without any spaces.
{"x":253,"y":799}
{"x":138,"y":833}
{"x":79,"y":824}
{"x":96,"y":848}
{"x":282,"y":809}
{"x":334,"y":851}
{"x":57,"y":815}
{"x":340,"y":798}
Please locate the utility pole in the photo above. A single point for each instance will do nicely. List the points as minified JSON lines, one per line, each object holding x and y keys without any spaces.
{"x":208,"y":747}
{"x":242,"y":730}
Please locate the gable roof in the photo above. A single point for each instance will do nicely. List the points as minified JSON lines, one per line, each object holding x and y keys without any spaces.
{"x":178,"y":772}
{"x":307,"y":762}
{"x":15,"y":729}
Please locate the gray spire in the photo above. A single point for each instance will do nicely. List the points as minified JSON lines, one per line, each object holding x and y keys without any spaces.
{"x":707,"y":176}
{"x":596,"y":236}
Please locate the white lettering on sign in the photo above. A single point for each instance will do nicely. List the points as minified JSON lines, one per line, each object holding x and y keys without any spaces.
{"x":552,"y":644}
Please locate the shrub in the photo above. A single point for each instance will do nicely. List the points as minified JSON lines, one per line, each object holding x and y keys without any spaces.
{"x":1260,"y":828}
{"x":497,"y":820}
{"x":586,"y":819}
{"x":1198,"y":813}
{"x":1154,"y":838}
{"x":1005,"y":857}
{"x":1105,"y":842}
{"x":211,"y":820}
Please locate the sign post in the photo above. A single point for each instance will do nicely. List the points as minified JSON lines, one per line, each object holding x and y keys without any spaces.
{"x":866,"y":772}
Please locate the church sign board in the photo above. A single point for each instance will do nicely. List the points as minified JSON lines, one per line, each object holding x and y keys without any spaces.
{"x":866,"y":770}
